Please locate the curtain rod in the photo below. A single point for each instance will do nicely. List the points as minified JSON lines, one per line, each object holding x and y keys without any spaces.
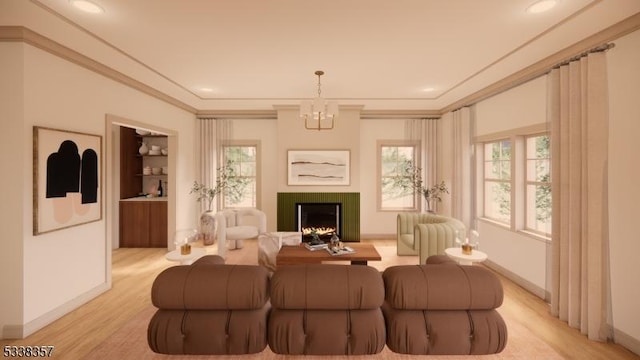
{"x":600,"y":48}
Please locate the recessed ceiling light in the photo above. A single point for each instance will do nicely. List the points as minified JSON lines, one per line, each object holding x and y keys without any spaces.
{"x":541,"y":6}
{"x":429,"y":89}
{"x":206,"y":89}
{"x":87,"y":6}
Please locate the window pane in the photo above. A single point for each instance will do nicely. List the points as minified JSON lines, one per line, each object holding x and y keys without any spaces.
{"x":497,"y":204}
{"x":538,"y":188}
{"x":492,"y":170}
{"x":505,"y":150}
{"x":395,"y":191}
{"x":244,"y":165}
{"x":393,"y":197}
{"x":539,"y":208}
{"x":505,"y":170}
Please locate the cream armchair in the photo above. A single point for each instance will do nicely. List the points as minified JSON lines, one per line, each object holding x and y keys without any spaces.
{"x":426,"y":234}
{"x":234,"y":226}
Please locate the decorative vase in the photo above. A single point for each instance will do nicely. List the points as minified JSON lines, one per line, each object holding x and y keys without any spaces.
{"x":143,"y":149}
{"x":208,"y":227}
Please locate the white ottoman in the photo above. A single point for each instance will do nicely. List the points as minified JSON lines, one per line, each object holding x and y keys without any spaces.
{"x":270,"y":243}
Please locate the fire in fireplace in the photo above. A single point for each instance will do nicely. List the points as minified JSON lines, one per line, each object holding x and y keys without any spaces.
{"x":323,"y":218}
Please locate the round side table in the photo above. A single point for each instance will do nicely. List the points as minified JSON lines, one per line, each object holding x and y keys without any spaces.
{"x":188,"y":259}
{"x":462,"y":259}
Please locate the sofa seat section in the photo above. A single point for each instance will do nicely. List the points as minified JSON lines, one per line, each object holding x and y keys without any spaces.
{"x":322,"y":309}
{"x":210,"y":308}
{"x":443,"y":309}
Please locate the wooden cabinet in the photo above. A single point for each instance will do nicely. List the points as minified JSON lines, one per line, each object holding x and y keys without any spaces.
{"x":130,"y":164}
{"x":143,"y":223}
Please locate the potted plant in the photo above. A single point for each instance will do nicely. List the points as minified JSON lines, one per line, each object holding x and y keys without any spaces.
{"x":226,"y":179}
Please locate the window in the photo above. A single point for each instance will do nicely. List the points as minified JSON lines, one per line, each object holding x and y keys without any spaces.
{"x":395,"y":191}
{"x":497,"y":181}
{"x":244,"y":163}
{"x":514,"y":179}
{"x":538,"y":184}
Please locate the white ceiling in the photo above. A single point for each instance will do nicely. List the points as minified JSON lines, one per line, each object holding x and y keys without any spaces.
{"x":378,"y":53}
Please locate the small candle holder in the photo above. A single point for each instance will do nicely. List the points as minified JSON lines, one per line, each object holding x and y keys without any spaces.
{"x":467,"y":248}
{"x":185,"y":249}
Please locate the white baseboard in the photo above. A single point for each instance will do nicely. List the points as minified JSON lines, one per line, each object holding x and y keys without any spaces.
{"x":526,"y":284}
{"x":627,"y":341}
{"x":22,"y":331}
{"x":378,"y":236}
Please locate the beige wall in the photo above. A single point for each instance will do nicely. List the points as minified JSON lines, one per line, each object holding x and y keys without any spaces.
{"x":372,"y":221}
{"x":523,"y":255}
{"x":624,"y":191}
{"x":15,"y":184}
{"x":59,"y":271}
{"x":292,"y":135}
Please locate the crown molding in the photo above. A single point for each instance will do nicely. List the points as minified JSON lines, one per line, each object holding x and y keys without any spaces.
{"x":540,"y":68}
{"x":27,"y":36}
{"x":400,"y":114}
{"x":238,"y":114}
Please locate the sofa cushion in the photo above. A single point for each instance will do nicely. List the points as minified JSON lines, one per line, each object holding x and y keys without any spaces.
{"x":442,"y":287}
{"x":326,"y":287}
{"x":210,"y":260}
{"x":208,"y":332}
{"x":242,"y":232}
{"x":448,"y":332}
{"x":326,"y":332}
{"x":211,"y":287}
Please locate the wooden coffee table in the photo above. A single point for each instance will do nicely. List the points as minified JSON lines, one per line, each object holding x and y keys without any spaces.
{"x":290,"y":255}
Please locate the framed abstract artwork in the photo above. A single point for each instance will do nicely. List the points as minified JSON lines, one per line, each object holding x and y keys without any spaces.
{"x":318,"y":167}
{"x":67,"y":186}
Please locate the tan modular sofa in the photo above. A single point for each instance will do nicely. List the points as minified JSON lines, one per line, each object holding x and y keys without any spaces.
{"x":319,"y":309}
{"x":426,"y":234}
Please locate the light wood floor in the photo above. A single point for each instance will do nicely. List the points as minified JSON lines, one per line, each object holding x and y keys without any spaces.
{"x":77,"y":333}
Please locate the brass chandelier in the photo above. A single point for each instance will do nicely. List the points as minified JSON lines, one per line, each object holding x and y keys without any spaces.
{"x":319,"y":110}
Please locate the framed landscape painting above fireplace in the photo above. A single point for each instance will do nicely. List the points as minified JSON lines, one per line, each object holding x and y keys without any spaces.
{"x":318,"y":167}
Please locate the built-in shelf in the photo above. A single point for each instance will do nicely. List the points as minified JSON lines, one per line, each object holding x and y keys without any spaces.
{"x":151,"y":175}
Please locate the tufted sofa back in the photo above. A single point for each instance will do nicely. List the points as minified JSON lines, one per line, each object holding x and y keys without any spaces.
{"x":321,"y":309}
{"x":443,"y":309}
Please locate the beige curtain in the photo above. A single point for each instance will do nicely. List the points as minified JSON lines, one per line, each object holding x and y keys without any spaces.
{"x":425,"y":132}
{"x":214,"y":133}
{"x":461,"y":189}
{"x":207,"y":132}
{"x":578,"y":112}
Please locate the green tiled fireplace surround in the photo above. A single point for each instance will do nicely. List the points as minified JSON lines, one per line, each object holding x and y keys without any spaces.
{"x":350,"y":212}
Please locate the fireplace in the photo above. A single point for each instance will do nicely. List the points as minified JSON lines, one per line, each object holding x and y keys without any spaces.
{"x":348,"y":220}
{"x":322,"y":218}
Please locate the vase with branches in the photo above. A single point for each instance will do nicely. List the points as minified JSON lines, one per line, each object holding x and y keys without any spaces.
{"x":412,"y":179}
{"x":228,"y":181}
